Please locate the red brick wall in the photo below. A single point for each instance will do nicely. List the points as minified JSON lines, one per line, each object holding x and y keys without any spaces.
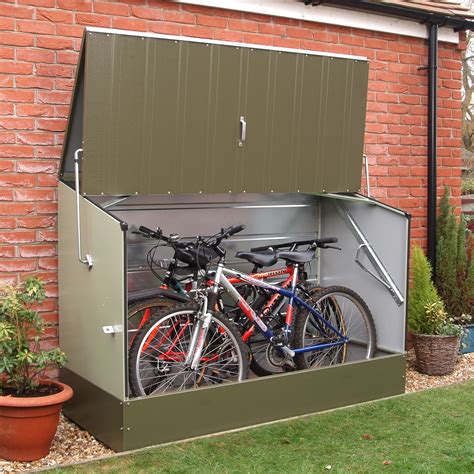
{"x":39,"y":43}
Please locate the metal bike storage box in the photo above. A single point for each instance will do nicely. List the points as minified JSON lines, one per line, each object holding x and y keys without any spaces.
{"x":192,"y":136}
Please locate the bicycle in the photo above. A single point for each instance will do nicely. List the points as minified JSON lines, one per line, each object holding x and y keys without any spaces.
{"x":192,"y":346}
{"x":272,"y":306}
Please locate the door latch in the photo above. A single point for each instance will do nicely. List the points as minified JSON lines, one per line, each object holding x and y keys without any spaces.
{"x":243,"y":131}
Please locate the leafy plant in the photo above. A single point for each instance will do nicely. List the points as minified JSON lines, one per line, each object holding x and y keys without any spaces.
{"x":467,"y":186}
{"x":454,"y":264}
{"x":423,"y":292}
{"x":427,"y":313}
{"x":22,"y":361}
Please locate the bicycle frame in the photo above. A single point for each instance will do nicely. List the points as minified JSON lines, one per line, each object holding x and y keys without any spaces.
{"x":170,"y":281}
{"x":222,"y":280}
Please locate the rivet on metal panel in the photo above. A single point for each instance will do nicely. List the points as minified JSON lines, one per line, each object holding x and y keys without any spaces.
{"x":244,"y":191}
{"x":108,"y":34}
{"x":237,"y":47}
{"x":207,"y":44}
{"x":176,"y":42}
{"x":230,"y":191}
{"x":297,"y":190}
{"x":128,"y":404}
{"x":121,"y":403}
{"x":102,"y":194}
{"x":279,"y":52}
{"x":271,"y":190}
{"x":121,"y":428}
{"x":324,"y":190}
{"x":128,"y":429}
{"x":169,"y":192}
{"x":331,"y":57}
{"x":143,"y":38}
{"x":136,"y":192}
{"x":200,"y":192}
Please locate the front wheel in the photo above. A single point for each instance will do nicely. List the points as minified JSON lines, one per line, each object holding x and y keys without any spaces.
{"x":348,"y":314}
{"x":158,"y":352}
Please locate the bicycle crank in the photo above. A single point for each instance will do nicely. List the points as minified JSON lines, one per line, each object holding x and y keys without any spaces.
{"x":278,"y":357}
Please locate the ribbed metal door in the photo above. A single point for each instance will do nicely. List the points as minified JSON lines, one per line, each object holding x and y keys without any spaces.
{"x":163,"y":116}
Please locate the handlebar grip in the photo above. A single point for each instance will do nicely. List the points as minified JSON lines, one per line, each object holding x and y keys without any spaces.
{"x":235,"y":229}
{"x":326,"y":240}
{"x":151,"y":233}
{"x":146,"y":230}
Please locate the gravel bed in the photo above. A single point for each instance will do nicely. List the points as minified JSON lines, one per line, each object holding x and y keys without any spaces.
{"x":71,"y":444}
{"x":415,"y":381}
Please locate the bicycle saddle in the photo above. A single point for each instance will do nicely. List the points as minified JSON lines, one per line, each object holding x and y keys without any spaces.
{"x":297,"y":257}
{"x":262,"y":259}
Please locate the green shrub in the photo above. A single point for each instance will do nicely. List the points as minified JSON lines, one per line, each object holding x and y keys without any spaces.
{"x":22,"y":361}
{"x":427,"y":313}
{"x":423,"y":292}
{"x":454,"y":267}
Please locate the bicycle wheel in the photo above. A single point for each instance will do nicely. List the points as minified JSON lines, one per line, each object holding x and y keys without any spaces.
{"x":141,"y":311}
{"x":157,"y":354}
{"x":347,"y":312}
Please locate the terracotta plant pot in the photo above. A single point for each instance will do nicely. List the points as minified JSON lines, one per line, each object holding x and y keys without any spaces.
{"x":435,"y":355}
{"x":28,"y":425}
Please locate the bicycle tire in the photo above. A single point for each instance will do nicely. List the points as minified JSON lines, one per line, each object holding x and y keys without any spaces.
{"x":136,"y":313}
{"x":154,"y":367}
{"x":348,"y":313}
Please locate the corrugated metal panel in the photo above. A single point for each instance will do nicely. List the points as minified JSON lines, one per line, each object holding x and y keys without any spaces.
{"x":191,"y":215}
{"x":162,"y":115}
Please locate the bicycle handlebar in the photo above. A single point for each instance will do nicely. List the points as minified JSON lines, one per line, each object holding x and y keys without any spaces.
{"x":318,"y":242}
{"x":158,"y":234}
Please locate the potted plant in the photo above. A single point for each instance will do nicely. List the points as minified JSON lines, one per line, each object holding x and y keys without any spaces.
{"x":436,"y":336}
{"x":29,"y":404}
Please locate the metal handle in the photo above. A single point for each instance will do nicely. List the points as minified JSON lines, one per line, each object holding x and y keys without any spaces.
{"x":243,"y":130}
{"x":88,"y":260}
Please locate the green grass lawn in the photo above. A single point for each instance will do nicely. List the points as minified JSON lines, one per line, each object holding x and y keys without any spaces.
{"x":432,"y":431}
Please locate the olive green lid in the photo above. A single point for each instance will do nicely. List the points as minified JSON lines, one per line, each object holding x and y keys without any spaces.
{"x":159,"y":114}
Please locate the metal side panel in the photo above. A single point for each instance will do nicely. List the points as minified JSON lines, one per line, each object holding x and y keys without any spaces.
{"x":193,"y":413}
{"x":165,"y":115}
{"x":73,"y":136}
{"x":94,"y":410}
{"x":92,"y":299}
{"x":387,"y":231}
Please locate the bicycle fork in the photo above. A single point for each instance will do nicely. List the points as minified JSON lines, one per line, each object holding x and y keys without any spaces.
{"x":203,"y":322}
{"x":198,"y":337}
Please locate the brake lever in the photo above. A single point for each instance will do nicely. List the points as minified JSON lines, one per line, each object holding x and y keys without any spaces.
{"x":331,"y":247}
